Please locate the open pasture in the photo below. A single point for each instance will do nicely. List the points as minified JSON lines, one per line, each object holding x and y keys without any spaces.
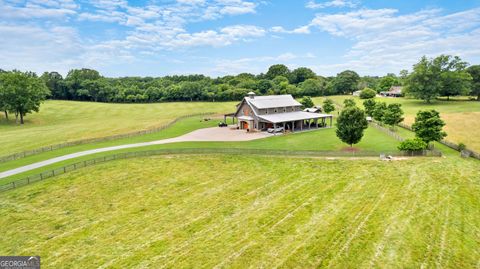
{"x":240,"y":211}
{"x":63,"y":121}
{"x":462,"y":118}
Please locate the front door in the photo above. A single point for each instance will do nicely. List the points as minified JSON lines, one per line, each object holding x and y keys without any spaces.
{"x":244,"y":125}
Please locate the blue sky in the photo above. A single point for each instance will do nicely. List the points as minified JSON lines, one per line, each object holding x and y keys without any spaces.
{"x":219,"y":37}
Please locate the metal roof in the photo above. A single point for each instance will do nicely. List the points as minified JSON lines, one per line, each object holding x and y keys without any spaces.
{"x":292,"y":116}
{"x":271,"y":101}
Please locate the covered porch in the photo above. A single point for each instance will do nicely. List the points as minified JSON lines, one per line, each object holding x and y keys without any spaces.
{"x":296,"y":121}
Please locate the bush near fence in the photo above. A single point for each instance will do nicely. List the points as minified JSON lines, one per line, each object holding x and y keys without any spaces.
{"x":449,"y":144}
{"x":300,"y":153}
{"x":23,"y":154}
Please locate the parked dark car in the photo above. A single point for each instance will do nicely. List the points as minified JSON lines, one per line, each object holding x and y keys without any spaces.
{"x":222,"y":124}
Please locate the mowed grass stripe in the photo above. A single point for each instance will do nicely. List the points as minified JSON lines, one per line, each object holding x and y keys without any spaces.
{"x":250,"y":211}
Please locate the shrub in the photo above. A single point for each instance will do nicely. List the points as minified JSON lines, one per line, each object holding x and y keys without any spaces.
{"x":414,"y":144}
{"x":461,"y":147}
{"x":367,"y":93}
{"x":349,"y":103}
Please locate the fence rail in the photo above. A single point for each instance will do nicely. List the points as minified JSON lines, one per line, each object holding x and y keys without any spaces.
{"x":24,"y":154}
{"x":300,"y":153}
{"x":450,"y":144}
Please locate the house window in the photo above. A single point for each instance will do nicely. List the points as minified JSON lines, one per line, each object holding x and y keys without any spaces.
{"x":275,"y":110}
{"x":284,"y":109}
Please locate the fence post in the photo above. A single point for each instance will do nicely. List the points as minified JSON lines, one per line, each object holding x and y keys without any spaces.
{"x":13,"y":184}
{"x":41,"y":176}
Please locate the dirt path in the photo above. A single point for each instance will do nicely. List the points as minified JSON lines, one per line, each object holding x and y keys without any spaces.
{"x":214,"y":134}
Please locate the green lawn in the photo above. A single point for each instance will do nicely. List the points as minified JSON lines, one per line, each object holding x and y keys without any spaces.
{"x":63,"y":121}
{"x":250,"y":211}
{"x":318,"y":140}
{"x":462,"y":117}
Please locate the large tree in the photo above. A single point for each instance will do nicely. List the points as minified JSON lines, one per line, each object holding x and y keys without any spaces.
{"x":55,"y":84}
{"x":301,"y":74}
{"x":387,"y":82}
{"x":379,"y":111}
{"x":454,"y":78}
{"x":277,"y":70}
{"x":443,"y":76}
{"x":346,"y":82}
{"x":351,"y":124}
{"x":428,"y":126}
{"x":27,"y":92}
{"x":307,"y":102}
{"x":311,"y":87}
{"x":474,"y":72}
{"x":424,"y":82}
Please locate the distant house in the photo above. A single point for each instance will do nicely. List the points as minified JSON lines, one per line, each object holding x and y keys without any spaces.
{"x":357,"y":93}
{"x":276,"y":111}
{"x":394,"y":91}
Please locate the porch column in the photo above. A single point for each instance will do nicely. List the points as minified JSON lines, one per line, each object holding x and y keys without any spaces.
{"x":293,"y":126}
{"x":301,"y":125}
{"x":274,"y":128}
{"x":331,"y":121}
{"x":316,"y":123}
{"x":284,"y":127}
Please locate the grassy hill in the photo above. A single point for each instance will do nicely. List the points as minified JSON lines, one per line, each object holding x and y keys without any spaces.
{"x":462,"y":117}
{"x":239,"y":211}
{"x":63,"y":121}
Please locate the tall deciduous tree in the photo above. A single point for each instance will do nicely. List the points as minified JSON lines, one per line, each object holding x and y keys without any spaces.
{"x":443,"y":76}
{"x":424,"y":82}
{"x":454,"y":78}
{"x":428,"y":126}
{"x":387,"y":82}
{"x":277,"y":70}
{"x":351,"y":124}
{"x":346,"y":82}
{"x":27,"y":92}
{"x":474,"y":72}
{"x":301,"y":74}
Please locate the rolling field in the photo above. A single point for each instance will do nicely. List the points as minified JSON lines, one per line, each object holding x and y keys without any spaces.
{"x":250,"y":211}
{"x":63,"y":121}
{"x":462,"y":117}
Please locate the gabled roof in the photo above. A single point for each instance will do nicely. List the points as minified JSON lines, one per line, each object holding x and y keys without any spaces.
{"x":271,"y":101}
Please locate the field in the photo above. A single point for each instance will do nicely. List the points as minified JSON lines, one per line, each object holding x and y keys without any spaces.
{"x":62,"y":121}
{"x":462,"y":117}
{"x":245,"y":211}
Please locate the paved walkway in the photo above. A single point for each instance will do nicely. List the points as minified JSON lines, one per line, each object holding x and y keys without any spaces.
{"x":215,"y":134}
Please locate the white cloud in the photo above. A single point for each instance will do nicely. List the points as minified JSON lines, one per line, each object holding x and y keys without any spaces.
{"x":300,"y":30}
{"x":37,"y":9}
{"x":334,"y":3}
{"x":384,"y":41}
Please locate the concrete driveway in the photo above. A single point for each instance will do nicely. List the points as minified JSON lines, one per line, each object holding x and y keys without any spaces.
{"x":214,"y":134}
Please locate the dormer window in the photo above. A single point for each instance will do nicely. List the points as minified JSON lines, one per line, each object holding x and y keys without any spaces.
{"x":275,"y":110}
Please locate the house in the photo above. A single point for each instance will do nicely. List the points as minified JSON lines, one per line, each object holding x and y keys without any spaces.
{"x":263,"y":112}
{"x":394,"y":91}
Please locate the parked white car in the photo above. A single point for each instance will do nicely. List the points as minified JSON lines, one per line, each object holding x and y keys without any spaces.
{"x":276,"y":130}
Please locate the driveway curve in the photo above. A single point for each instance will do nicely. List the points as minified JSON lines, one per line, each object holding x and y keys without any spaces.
{"x":214,"y":134}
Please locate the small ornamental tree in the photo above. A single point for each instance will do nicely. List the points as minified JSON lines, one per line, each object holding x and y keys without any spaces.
{"x":369,"y":105}
{"x":428,"y":126}
{"x":393,"y":115}
{"x":415,"y":144}
{"x":349,"y":103}
{"x":307,"y":102}
{"x":351,"y":124}
{"x":379,"y":111}
{"x":328,"y":106}
{"x":367,"y":93}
